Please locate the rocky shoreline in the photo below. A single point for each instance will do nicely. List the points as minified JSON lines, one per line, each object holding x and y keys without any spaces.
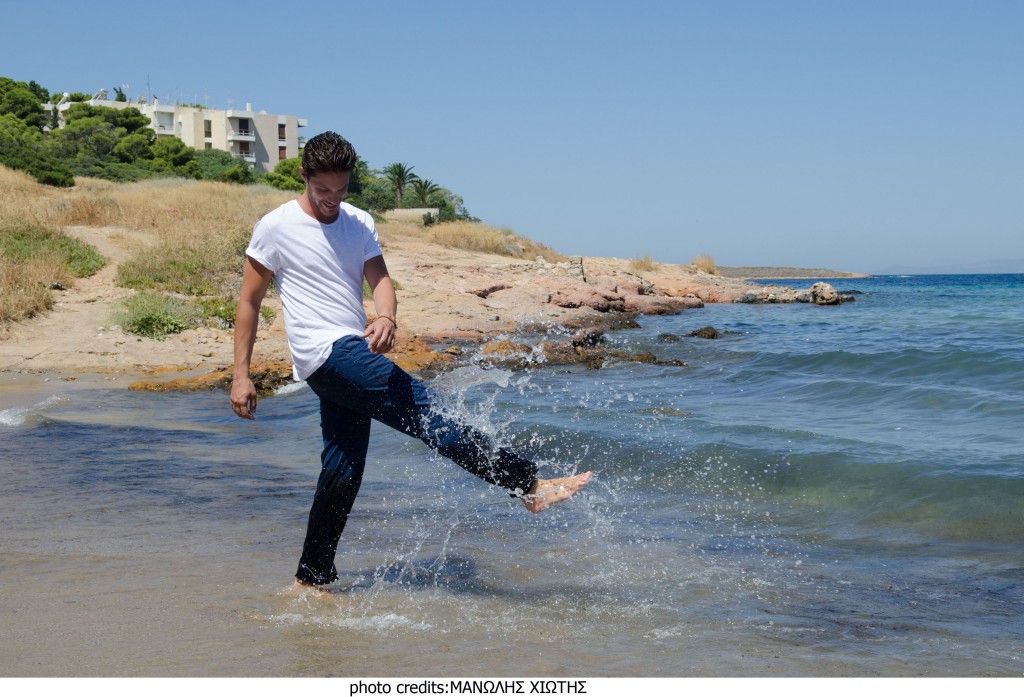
{"x":449,"y":301}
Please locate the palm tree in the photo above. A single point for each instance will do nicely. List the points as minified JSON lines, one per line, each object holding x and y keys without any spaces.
{"x":423,"y":189}
{"x":400,"y":175}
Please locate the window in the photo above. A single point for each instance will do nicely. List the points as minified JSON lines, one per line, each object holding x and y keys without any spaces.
{"x":208,"y":128}
{"x":209,"y":146}
{"x":281,"y":132}
{"x":282,"y":153}
{"x":243,"y":147}
{"x":243,"y":126}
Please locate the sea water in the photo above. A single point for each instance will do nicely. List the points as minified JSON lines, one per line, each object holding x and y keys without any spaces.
{"x":821,"y":491}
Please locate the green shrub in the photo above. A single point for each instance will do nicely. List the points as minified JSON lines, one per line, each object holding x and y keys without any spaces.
{"x":191,"y":272}
{"x":220,"y":310}
{"x":155,"y":316}
{"x":22,"y":243}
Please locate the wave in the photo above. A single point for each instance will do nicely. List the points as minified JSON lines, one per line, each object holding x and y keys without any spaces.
{"x":20,"y":416}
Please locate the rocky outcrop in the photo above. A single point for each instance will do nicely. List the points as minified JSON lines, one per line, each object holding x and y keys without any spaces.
{"x":413,"y":355}
{"x":588,"y":297}
{"x":820,"y":293}
{"x":591,"y":352}
{"x":706,"y":333}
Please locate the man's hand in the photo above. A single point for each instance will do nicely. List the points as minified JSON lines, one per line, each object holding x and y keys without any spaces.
{"x":381,"y":333}
{"x":243,"y":397}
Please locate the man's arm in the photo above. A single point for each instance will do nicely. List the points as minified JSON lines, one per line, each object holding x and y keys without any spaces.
{"x":382,"y":332}
{"x":255,"y":280}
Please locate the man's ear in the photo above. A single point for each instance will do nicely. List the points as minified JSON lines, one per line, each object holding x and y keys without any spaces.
{"x":302,"y":173}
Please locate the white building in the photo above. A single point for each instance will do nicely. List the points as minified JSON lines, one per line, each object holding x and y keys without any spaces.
{"x":262,"y":139}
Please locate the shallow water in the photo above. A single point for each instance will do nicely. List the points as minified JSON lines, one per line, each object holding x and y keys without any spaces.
{"x":822,"y":491}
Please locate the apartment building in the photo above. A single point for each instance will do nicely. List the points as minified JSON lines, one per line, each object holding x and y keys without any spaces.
{"x":260,"y":138}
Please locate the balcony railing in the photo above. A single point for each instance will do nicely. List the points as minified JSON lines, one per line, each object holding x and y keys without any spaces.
{"x":242,"y":135}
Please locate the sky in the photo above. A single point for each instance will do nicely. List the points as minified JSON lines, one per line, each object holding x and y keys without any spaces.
{"x":869,"y":136}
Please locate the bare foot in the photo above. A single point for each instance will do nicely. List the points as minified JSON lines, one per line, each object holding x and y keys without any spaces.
{"x":318,"y":596}
{"x":299,"y":588}
{"x":547,"y":492}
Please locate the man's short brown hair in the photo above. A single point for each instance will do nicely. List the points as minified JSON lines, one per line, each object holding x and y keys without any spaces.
{"x":328,"y":152}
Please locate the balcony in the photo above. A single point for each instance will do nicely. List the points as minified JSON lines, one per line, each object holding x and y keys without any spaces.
{"x":236,"y":135}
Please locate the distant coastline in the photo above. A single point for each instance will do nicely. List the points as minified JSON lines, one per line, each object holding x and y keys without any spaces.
{"x":781,"y":272}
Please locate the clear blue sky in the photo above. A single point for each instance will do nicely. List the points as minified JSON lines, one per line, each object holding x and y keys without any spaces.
{"x":866,"y":136}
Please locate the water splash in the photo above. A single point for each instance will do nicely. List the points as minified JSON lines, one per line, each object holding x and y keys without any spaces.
{"x":19,"y":416}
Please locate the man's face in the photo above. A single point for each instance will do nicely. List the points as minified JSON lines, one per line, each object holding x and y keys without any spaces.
{"x":325,"y":191}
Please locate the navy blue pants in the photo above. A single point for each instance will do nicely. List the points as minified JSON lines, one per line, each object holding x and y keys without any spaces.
{"x":355,"y":386}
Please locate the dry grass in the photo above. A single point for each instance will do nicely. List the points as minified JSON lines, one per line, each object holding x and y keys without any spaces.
{"x":476,"y":237}
{"x":705,"y":263}
{"x":198,"y":230}
{"x":24,"y":290}
{"x":34,"y":251}
{"x":20,"y":198}
{"x":645,"y":264}
{"x":194,"y":233}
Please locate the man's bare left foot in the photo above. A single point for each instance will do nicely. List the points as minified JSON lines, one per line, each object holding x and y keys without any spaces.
{"x":548,"y":492}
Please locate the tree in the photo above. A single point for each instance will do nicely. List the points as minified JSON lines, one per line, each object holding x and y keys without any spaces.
{"x":221,"y":166}
{"x":400,"y":175}
{"x":173,"y":150}
{"x":21,"y":102}
{"x":131,"y":119}
{"x":41,"y":93}
{"x":22,"y":147}
{"x":170,"y":154}
{"x":286,"y":175}
{"x":88,"y":137}
{"x":134,"y":146}
{"x":424,"y":188}
{"x":369,"y":190}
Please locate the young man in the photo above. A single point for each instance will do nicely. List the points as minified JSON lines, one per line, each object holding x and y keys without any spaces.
{"x":319,"y":249}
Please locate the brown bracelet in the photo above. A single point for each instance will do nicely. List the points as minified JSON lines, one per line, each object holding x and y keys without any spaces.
{"x":389,"y":319}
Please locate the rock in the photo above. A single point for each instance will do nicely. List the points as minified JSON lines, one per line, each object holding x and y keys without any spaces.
{"x":590,"y":336}
{"x":823,"y":294}
{"x":820,"y":293}
{"x":266,"y":377}
{"x":574,"y":298}
{"x":706,"y":333}
{"x":623,"y":283}
{"x":412,"y":355}
{"x":486,"y":292}
{"x":668,"y":338}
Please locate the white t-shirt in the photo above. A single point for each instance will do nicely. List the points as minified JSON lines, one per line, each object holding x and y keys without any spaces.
{"x":318,"y":270}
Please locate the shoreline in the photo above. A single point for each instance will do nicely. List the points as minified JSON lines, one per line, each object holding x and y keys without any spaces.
{"x":447,"y":297}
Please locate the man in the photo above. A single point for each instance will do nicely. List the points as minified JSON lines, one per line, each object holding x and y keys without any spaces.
{"x":319,"y":249}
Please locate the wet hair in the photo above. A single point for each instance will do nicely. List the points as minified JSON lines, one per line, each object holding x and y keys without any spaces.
{"x":328,"y":152}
